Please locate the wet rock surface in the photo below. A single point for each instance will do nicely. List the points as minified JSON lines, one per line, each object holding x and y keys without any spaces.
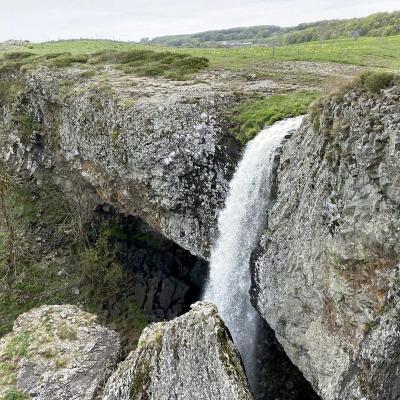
{"x":56,"y":352}
{"x":326,"y":275}
{"x":191,"y":357}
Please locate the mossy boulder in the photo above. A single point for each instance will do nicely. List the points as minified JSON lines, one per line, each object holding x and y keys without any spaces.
{"x":189,"y":358}
{"x":56,"y":352}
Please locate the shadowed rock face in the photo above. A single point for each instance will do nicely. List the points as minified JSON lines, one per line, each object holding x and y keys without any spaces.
{"x":191,"y":357}
{"x":163,"y":278}
{"x":326,"y":275}
{"x":57,"y":352}
{"x":152,"y":148}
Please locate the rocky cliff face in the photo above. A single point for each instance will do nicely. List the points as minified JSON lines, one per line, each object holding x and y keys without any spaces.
{"x":152,"y":148}
{"x":191,"y":357}
{"x":326,"y":275}
{"x":56,"y":352}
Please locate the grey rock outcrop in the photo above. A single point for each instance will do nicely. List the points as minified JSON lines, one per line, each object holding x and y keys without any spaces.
{"x":153,"y":148}
{"x":326,"y":274}
{"x":56,"y":352}
{"x":189,"y":358}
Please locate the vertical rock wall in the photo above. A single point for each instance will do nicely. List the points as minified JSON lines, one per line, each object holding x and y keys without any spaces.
{"x":326,"y":275}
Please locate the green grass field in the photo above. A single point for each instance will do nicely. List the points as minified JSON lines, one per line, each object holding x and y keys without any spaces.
{"x":371,"y":52}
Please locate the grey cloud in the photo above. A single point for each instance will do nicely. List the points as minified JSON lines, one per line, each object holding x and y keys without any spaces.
{"x":132,"y":19}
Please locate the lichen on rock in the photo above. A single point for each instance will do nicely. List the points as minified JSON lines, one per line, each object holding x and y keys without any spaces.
{"x":56,"y":352}
{"x":191,"y":357}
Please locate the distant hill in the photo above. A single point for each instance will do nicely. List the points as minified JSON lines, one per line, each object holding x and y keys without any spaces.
{"x":380,"y":24}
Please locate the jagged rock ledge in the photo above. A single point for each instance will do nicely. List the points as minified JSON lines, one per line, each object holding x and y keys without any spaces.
{"x":190,"y":357}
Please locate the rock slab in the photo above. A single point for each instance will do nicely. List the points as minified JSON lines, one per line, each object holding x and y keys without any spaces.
{"x":189,"y":358}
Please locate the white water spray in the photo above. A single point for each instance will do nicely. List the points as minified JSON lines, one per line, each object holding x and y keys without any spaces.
{"x":240,"y":225}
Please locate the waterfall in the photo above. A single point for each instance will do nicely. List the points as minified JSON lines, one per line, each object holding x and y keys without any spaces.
{"x":239,"y":226}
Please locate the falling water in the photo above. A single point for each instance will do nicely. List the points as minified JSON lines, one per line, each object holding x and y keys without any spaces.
{"x":240,"y":225}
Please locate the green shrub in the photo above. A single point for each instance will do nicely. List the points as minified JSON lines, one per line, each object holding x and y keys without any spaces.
{"x":67,"y":60}
{"x":374,"y":82}
{"x":27,"y":126}
{"x":10,"y":90}
{"x":13,"y":394}
{"x":16,"y":56}
{"x":18,"y":346}
{"x":100,"y":270}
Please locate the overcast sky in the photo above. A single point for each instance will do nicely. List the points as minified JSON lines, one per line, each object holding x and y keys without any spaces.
{"x":40,"y":20}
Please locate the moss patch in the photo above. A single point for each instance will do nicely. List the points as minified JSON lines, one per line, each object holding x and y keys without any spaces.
{"x":13,"y":394}
{"x":254,"y":115}
{"x":18,"y":345}
{"x":10,"y":90}
{"x":227,"y":355}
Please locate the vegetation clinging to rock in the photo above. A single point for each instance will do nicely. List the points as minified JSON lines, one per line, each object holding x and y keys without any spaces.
{"x":45,"y":260}
{"x":371,"y":82}
{"x":375,"y":81}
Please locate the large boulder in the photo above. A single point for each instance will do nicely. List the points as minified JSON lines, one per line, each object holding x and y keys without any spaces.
{"x":189,"y":358}
{"x":56,"y":352}
{"x":153,"y":148}
{"x":326,"y":275}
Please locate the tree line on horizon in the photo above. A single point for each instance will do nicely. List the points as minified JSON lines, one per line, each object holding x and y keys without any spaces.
{"x":375,"y":25}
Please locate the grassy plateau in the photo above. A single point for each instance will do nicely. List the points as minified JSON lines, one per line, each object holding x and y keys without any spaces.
{"x":381,"y":52}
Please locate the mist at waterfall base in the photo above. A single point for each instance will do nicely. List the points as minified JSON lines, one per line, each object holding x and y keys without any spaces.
{"x":240,"y":225}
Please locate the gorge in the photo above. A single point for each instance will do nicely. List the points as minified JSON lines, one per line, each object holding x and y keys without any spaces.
{"x":126,"y":191}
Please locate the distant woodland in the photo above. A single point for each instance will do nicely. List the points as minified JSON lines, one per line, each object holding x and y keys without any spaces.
{"x":375,"y":25}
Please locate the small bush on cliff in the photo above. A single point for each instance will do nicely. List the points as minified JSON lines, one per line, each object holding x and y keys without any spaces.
{"x":371,"y":81}
{"x":101,"y":272}
{"x":15,"y":395}
{"x":10,"y":90}
{"x":374,"y":82}
{"x":34,"y":226}
{"x":47,"y":257}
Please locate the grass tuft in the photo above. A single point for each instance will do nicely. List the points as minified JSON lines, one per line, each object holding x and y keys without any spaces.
{"x":374,"y":82}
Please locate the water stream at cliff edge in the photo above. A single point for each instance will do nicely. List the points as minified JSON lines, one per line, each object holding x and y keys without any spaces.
{"x":240,"y":224}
